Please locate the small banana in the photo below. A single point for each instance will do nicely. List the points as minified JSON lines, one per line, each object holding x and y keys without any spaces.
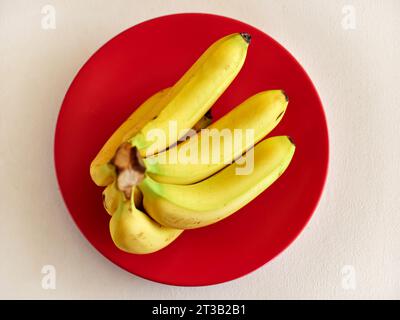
{"x":190,"y":98}
{"x":213,"y":199}
{"x":259,"y":113}
{"x":135,"y":232}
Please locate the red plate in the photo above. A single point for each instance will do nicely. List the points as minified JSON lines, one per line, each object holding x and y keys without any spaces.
{"x":153,"y":55}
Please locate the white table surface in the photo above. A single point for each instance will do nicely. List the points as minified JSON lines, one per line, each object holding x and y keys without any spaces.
{"x":357,"y":223}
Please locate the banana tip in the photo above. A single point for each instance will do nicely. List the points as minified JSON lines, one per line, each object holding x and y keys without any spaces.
{"x":246,"y":37}
{"x":286,"y":96}
{"x":291,"y":140}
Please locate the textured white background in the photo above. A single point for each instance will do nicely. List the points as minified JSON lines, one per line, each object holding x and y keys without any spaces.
{"x":357,"y":221}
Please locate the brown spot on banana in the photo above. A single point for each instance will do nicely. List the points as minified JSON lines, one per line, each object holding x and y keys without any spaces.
{"x":204,"y":122}
{"x":279,"y":116}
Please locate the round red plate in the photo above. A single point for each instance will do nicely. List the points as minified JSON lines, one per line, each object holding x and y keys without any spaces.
{"x":153,"y":55}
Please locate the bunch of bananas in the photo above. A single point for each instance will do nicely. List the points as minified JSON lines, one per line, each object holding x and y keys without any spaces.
{"x":153,"y":194}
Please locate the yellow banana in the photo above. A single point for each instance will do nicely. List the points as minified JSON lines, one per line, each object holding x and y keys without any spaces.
{"x":190,"y":98}
{"x":101,"y":170}
{"x":213,"y":199}
{"x":259,"y":113}
{"x":135,"y":232}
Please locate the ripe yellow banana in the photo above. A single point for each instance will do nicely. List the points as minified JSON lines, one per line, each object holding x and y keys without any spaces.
{"x":135,"y":232}
{"x":190,"y":98}
{"x":259,"y":113}
{"x":213,"y":199}
{"x":101,"y":170}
